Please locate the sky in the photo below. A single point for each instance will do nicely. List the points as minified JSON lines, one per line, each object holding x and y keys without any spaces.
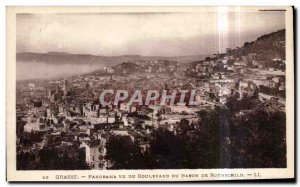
{"x":148,"y":34}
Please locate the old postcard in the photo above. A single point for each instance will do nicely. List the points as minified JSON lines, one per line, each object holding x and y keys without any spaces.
{"x":150,"y":93}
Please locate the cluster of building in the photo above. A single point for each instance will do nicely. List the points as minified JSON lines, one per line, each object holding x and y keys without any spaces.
{"x":66,"y":112}
{"x":221,"y":76}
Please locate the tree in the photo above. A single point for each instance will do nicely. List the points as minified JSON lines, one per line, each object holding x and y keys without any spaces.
{"x":123,"y":153}
{"x":165,"y":149}
{"x":51,"y":159}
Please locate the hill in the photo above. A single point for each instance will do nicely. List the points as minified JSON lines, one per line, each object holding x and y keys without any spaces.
{"x":266,"y":47}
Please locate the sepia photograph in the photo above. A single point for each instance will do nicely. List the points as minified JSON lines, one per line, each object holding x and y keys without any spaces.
{"x":150,"y":93}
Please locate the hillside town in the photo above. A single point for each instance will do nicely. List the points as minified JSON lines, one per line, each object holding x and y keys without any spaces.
{"x":65,"y":115}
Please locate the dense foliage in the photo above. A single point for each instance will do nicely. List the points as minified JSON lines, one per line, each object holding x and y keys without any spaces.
{"x":52,"y":159}
{"x":228,"y":137}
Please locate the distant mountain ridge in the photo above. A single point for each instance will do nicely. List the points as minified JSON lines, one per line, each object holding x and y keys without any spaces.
{"x":268,"y":45}
{"x":68,"y":58}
